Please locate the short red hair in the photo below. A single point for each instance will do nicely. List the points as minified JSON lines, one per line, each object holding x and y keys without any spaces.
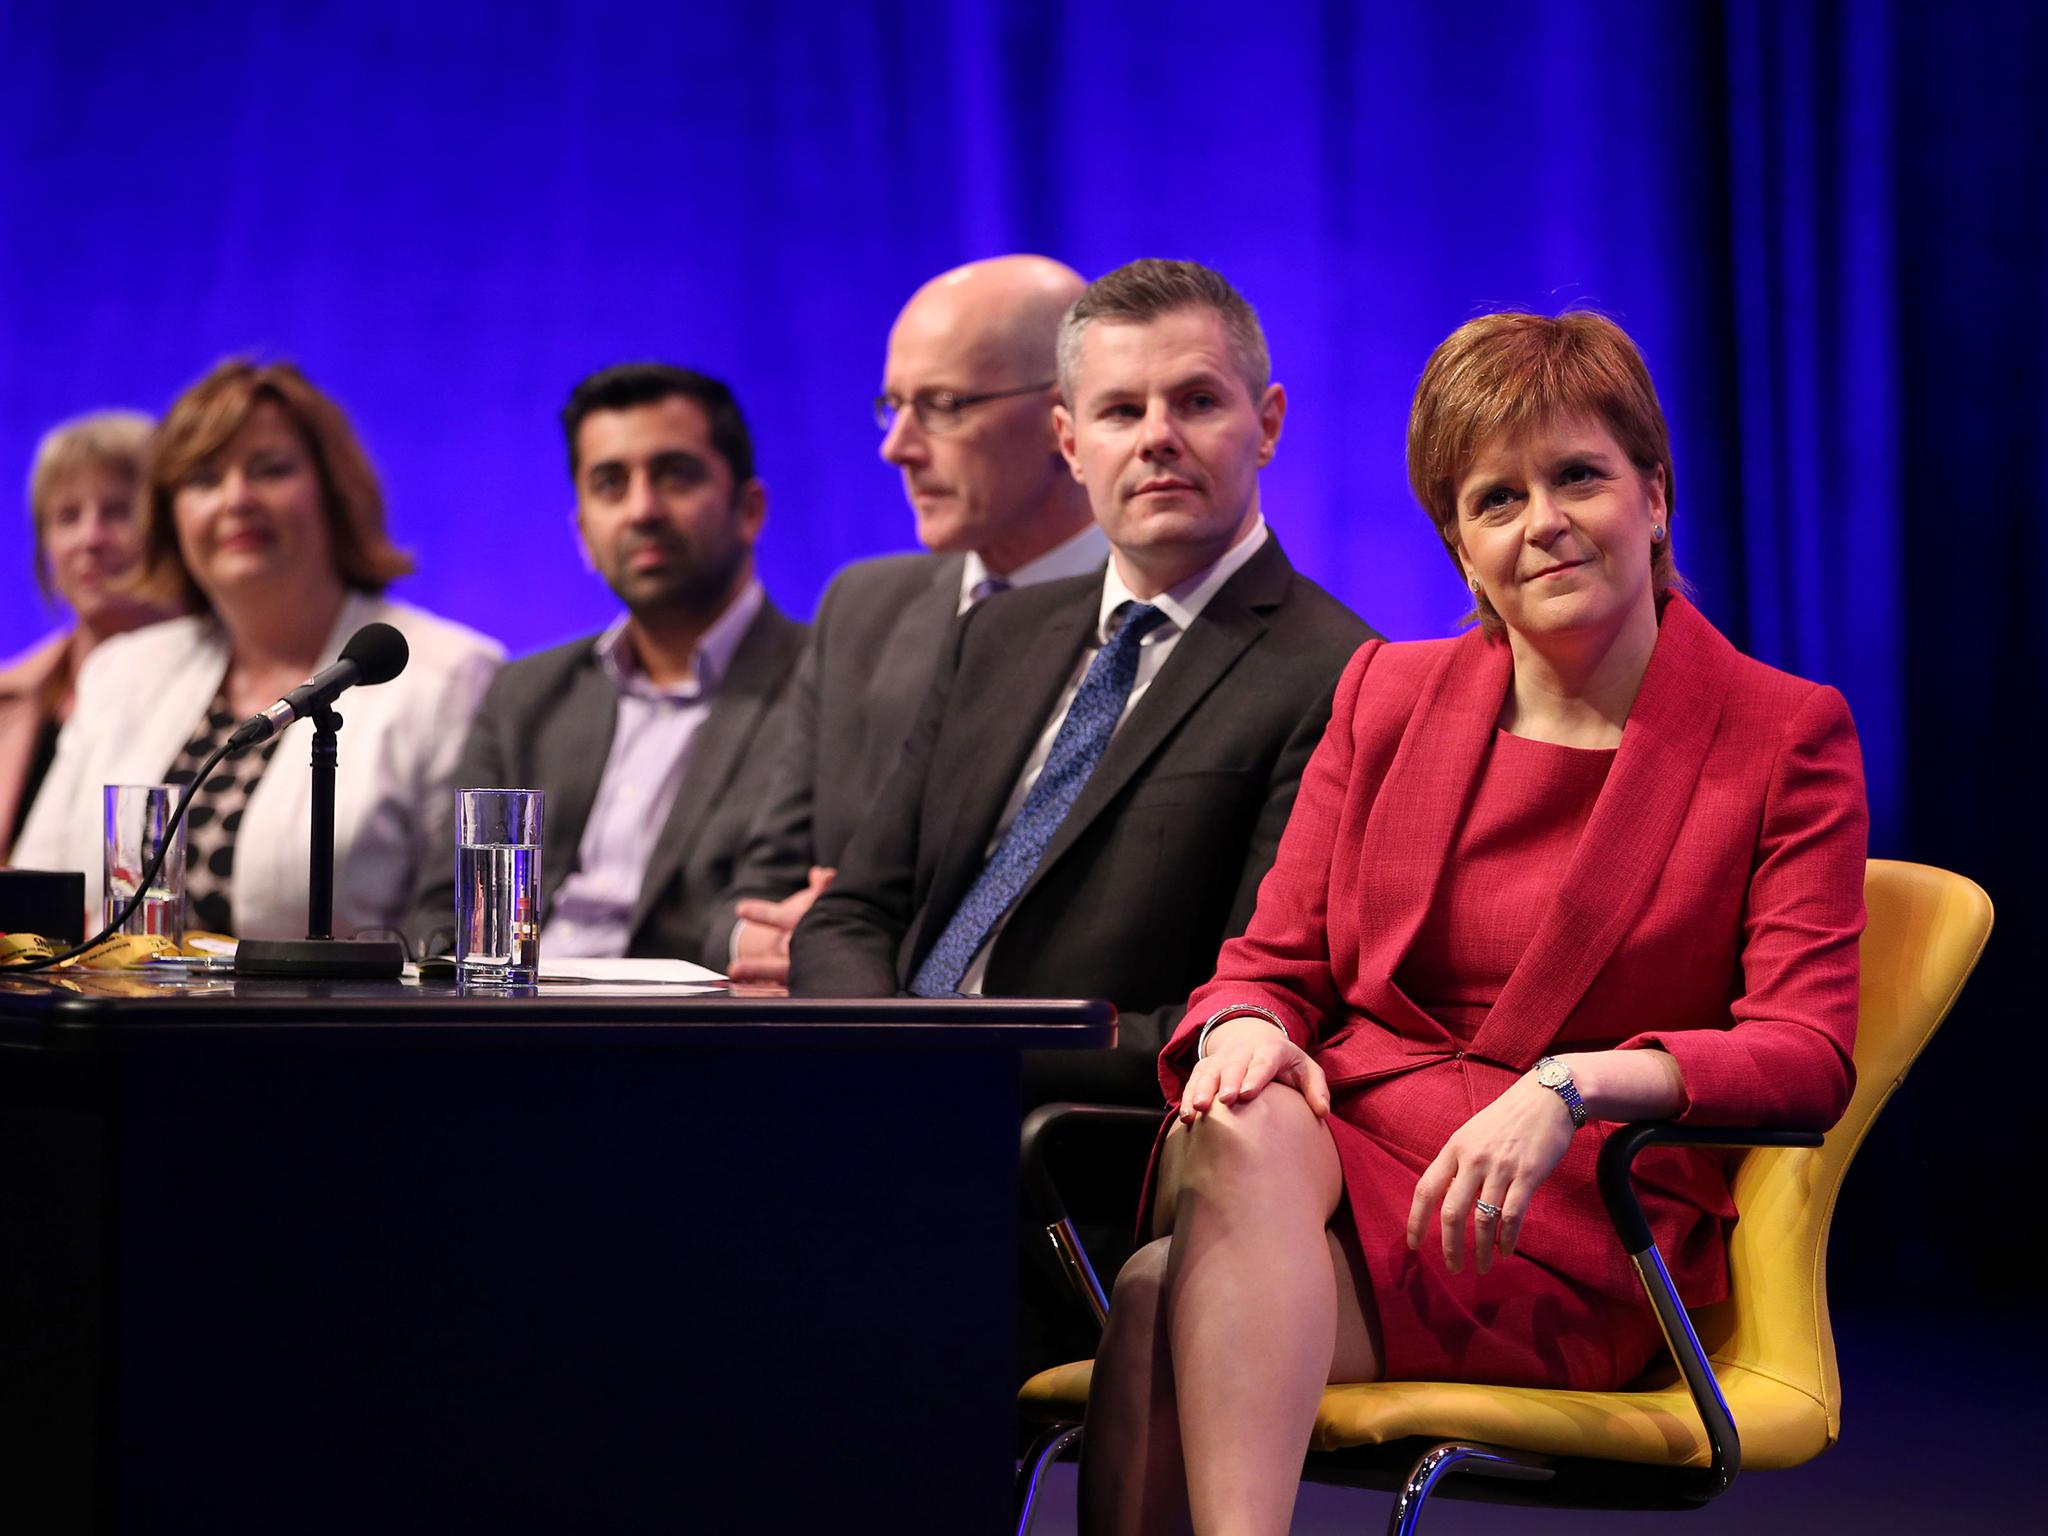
{"x":1503,"y":375}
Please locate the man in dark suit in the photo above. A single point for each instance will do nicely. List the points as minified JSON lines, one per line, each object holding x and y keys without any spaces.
{"x":966,"y":413}
{"x":663,"y":720}
{"x":1099,"y":777}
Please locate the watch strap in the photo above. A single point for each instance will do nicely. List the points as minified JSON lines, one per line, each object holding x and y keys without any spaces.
{"x":1565,"y":1089}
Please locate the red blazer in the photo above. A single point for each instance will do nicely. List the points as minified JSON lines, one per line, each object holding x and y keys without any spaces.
{"x":1712,"y":909}
{"x":22,"y":682}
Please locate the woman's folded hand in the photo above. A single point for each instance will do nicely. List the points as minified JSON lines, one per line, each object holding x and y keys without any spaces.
{"x":1243,"y":1056}
{"x":1488,"y":1171}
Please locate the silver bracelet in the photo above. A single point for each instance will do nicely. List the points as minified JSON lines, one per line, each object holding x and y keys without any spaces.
{"x":1236,"y":1011}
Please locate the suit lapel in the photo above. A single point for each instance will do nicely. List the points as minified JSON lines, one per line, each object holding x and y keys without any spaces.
{"x":902,"y":672}
{"x":742,"y":697}
{"x":1416,"y":813}
{"x":579,"y":741}
{"x":1626,"y":842}
{"x":1226,"y":628}
{"x":1004,"y":720}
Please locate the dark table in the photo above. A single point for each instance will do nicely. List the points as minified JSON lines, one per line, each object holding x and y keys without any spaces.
{"x":303,"y":1257}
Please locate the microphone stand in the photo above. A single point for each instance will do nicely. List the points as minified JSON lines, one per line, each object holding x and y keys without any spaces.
{"x":320,"y":954}
{"x":320,"y":885}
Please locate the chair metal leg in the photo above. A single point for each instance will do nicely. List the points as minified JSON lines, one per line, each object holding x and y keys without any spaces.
{"x":1439,"y":1461}
{"x":1723,"y":1439}
{"x":1080,"y":1273}
{"x":1045,"y":1450}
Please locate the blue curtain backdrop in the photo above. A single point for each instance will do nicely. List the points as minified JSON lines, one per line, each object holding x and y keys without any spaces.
{"x":1822,"y":222}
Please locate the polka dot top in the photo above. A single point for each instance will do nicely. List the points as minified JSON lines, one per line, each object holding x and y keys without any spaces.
{"x":215,"y":816}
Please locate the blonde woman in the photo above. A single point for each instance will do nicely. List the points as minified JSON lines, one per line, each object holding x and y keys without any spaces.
{"x":81,"y":499}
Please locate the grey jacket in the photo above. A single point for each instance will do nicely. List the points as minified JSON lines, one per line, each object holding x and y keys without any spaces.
{"x":879,"y":636}
{"x":547,"y":724}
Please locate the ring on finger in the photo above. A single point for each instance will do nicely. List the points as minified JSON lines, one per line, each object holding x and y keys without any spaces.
{"x":1487,"y":1209}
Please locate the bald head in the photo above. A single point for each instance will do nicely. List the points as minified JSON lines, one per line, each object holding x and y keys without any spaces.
{"x":998,"y":315}
{"x":989,"y":478}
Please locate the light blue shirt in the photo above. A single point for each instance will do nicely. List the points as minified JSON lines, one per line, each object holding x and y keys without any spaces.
{"x":591,"y":916}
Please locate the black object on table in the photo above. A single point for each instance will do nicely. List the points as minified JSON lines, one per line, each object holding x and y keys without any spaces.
{"x":320,"y":953}
{"x":312,"y":1257}
{"x":43,"y":901}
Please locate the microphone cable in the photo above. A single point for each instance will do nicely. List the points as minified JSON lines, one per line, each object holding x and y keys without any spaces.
{"x":377,"y":652}
{"x":149,"y":872}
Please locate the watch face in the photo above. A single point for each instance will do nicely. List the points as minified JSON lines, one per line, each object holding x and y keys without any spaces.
{"x":1552,"y":1074}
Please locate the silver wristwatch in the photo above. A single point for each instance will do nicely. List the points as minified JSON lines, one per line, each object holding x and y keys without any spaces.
{"x":1556,"y":1076}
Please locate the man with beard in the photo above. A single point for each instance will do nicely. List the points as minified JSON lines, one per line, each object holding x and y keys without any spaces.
{"x":660,"y":721}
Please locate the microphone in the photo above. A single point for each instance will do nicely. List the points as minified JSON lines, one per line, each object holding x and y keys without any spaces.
{"x":376,"y":653}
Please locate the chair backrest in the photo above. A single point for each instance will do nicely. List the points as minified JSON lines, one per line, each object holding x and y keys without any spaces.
{"x":1926,"y":928}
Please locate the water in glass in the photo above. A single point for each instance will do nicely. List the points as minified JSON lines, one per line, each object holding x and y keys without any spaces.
{"x":497,"y":909}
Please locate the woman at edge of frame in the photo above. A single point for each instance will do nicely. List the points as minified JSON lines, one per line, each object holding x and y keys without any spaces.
{"x":261,"y":513}
{"x":1583,"y":864}
{"x":85,"y":543}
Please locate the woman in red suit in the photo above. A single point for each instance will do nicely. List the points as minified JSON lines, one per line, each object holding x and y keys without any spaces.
{"x":1584,"y":864}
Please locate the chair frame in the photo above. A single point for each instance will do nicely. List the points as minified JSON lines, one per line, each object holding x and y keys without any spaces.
{"x":1664,"y":1488}
{"x":1413,"y":1467}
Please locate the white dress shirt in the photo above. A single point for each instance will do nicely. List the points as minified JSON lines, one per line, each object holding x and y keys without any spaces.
{"x":1076,"y":557}
{"x":1182,"y":604}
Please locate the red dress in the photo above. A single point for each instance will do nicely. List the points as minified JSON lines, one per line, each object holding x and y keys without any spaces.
{"x":1513,"y":845}
{"x":1449,"y":905}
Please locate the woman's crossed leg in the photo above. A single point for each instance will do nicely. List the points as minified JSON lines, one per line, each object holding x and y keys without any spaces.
{"x":1222,"y":1335}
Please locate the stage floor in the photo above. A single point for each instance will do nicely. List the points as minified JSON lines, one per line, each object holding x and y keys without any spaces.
{"x":1943,"y":1427}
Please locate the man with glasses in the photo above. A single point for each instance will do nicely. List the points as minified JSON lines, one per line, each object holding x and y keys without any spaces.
{"x":966,"y":417}
{"x":1099,"y":777}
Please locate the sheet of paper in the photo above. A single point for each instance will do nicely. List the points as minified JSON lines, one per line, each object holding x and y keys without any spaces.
{"x":668,"y":973}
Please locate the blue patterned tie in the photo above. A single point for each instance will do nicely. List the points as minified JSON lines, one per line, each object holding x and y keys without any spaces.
{"x":1082,"y":739}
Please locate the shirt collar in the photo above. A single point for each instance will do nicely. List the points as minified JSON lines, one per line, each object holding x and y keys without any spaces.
{"x":711,"y":660}
{"x":1182,"y":603}
{"x":1076,"y":556}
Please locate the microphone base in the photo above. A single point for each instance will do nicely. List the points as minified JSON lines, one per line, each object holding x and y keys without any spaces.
{"x":348,"y":959}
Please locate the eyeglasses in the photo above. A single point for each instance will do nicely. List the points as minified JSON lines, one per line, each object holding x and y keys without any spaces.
{"x":938,"y":411}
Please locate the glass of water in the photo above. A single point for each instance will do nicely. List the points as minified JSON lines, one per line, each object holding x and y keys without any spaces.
{"x":497,"y":886}
{"x":136,"y":816}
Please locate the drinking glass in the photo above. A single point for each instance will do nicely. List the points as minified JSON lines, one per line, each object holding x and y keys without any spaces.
{"x":136,"y":815}
{"x":497,"y":886}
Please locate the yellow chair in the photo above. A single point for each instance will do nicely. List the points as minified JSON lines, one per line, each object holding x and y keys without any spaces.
{"x":1673,"y":1442}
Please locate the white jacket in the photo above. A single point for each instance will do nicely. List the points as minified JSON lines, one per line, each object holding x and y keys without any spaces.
{"x":141,"y":697}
